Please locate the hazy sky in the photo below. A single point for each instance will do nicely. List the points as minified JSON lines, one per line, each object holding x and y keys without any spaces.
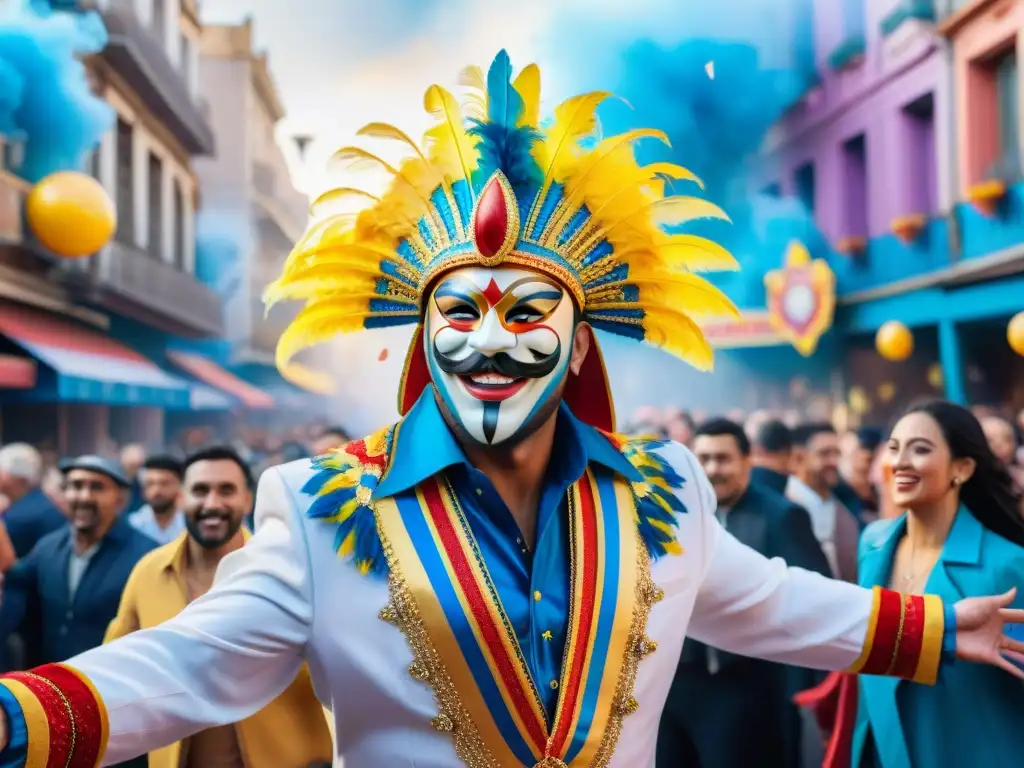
{"x":342,"y":63}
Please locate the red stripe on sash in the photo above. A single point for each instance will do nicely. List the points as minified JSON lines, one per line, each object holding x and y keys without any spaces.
{"x":478,"y":605}
{"x":588,"y":564}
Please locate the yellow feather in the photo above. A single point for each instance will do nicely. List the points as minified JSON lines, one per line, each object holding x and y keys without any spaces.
{"x":317,"y":382}
{"x":323,"y":279}
{"x":697,"y":254}
{"x":575,"y":118}
{"x":452,"y":149}
{"x":673,"y":171}
{"x":337,"y":196}
{"x":359,"y":158}
{"x":348,"y":546}
{"x":677,"y":334}
{"x":690,"y":293}
{"x":319,"y":322}
{"x":475,"y":103}
{"x":679,"y":210}
{"x":528,"y":86}
{"x":603,"y":174}
{"x":391,"y":133}
{"x":651,"y":213}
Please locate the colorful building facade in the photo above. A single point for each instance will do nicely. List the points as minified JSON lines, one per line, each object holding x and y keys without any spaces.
{"x":907,"y":155}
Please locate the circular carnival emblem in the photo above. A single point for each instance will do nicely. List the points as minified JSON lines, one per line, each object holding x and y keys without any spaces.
{"x":799,"y":303}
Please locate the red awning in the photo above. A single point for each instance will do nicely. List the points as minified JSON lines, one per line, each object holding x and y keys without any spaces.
{"x":17,"y":372}
{"x":209,"y":372}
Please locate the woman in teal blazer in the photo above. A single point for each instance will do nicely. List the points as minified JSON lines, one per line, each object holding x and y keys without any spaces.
{"x":961,"y":535}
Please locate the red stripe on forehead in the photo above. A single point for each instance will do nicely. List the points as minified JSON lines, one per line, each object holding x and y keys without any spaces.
{"x":492,"y":293}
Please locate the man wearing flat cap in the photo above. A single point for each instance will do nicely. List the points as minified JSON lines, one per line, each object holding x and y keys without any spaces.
{"x":73,"y":578}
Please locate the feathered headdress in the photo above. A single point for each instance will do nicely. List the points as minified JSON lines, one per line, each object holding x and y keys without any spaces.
{"x":491,"y":186}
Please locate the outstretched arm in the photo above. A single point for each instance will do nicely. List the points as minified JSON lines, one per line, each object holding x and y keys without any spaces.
{"x":219,"y":661}
{"x":753,"y":606}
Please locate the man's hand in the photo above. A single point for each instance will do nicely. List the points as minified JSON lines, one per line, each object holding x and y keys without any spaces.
{"x":981,"y":632}
{"x":3,"y":730}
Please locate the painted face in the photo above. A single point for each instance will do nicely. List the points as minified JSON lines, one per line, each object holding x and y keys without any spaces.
{"x":498,"y":344}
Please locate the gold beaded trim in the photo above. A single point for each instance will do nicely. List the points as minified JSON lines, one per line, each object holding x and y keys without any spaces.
{"x":562,"y":274}
{"x":899,"y":635}
{"x":452,"y":718}
{"x":69,"y":710}
{"x":641,"y":646}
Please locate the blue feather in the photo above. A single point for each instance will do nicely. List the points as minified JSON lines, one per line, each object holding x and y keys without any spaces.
{"x":504,"y":145}
{"x":507,"y":150}
{"x":504,"y":104}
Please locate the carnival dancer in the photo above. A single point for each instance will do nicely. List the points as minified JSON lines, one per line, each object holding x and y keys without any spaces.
{"x":499,"y":579}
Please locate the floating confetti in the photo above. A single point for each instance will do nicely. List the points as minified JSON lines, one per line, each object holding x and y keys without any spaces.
{"x":710,"y":69}
{"x":383,"y":355}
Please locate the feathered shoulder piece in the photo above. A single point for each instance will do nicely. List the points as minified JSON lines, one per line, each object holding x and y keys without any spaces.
{"x":342,"y":486}
{"x":493,"y":184}
{"x":657,"y":504}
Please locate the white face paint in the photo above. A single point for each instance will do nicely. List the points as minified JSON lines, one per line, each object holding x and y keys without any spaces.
{"x":498,"y":345}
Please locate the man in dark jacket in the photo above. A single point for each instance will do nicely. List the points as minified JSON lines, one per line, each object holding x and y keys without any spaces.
{"x":771,"y":453}
{"x":727,"y":711}
{"x":74,"y":576}
{"x":31,"y":514}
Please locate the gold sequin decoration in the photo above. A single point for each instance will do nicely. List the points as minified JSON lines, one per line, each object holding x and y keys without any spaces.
{"x":452,"y":718}
{"x":387,"y":613}
{"x":646,"y":596}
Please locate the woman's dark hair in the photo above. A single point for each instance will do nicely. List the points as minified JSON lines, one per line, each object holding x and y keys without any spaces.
{"x":990,"y":493}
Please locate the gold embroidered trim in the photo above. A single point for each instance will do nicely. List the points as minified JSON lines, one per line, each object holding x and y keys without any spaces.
{"x":899,"y":635}
{"x":452,"y":717}
{"x":647,"y":594}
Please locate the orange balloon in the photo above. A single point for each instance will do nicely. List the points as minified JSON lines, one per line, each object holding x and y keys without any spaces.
{"x":71,"y":214}
{"x":1015,"y":333}
{"x":894,"y":341}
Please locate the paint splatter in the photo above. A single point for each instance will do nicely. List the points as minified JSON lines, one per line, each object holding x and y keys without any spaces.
{"x":45,"y":98}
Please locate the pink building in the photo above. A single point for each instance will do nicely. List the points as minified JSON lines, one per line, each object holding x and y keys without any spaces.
{"x":870,"y":146}
{"x":987,"y":39}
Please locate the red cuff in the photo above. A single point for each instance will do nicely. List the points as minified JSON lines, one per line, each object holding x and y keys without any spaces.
{"x":65,"y":717}
{"x":904,"y":637}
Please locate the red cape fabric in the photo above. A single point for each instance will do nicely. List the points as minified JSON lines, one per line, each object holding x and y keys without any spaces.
{"x":834,"y":704}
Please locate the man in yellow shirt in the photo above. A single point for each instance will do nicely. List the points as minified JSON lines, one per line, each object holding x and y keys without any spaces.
{"x":291,"y":731}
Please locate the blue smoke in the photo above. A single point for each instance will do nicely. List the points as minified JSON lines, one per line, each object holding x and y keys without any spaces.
{"x":716,"y":124}
{"x":45,"y":99}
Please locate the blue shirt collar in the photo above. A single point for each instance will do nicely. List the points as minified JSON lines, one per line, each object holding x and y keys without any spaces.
{"x":424,"y":446}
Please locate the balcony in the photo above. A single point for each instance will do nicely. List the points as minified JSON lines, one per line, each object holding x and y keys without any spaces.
{"x":138,"y":57}
{"x":273,"y":203}
{"x":129,"y":280}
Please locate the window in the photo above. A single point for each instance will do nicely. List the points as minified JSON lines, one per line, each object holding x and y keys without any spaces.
{"x":185,"y":53}
{"x":918,"y":121}
{"x":156,"y":207}
{"x":1008,"y":114}
{"x":855,"y":187}
{"x":772,"y":190}
{"x":159,"y":19}
{"x":125,"y":185}
{"x":804,"y":182}
{"x":178,"y":213}
{"x":92,"y":164}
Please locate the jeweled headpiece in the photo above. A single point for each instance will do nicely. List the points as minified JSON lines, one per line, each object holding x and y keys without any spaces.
{"x":493,"y":186}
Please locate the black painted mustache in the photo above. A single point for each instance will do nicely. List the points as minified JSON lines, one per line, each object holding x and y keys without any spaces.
{"x":501,"y":364}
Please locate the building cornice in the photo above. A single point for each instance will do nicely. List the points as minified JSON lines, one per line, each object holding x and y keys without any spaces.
{"x":952,"y":24}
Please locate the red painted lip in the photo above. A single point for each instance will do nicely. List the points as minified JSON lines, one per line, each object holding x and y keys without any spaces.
{"x":490,"y":392}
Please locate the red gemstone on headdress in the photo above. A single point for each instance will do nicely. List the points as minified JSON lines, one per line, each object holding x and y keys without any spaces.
{"x":490,"y":227}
